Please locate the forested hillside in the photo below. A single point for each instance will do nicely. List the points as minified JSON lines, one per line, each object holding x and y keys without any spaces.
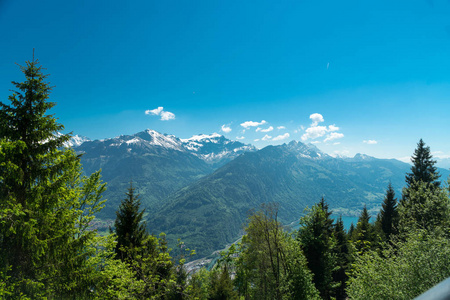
{"x":209,"y":213}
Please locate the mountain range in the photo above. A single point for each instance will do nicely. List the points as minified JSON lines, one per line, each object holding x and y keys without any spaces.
{"x":202,"y":189}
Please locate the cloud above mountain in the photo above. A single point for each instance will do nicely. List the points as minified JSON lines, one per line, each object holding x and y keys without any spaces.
{"x":249,"y":124}
{"x":315,"y":131}
{"x":264,"y":130}
{"x":165,"y":115}
{"x":226,"y":128}
{"x":281,"y":137}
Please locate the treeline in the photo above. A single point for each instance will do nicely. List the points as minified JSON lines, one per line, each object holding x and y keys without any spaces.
{"x":48,"y":249}
{"x":403,"y":253}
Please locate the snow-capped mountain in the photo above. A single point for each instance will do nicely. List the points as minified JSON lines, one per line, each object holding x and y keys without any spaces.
{"x":306,"y":150}
{"x":77,"y":140}
{"x":215,"y":148}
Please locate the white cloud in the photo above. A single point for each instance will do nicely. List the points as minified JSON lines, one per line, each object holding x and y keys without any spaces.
{"x":314,"y":132}
{"x":281,"y":127}
{"x":316,"y":118}
{"x":240,"y":137}
{"x":333,"y":128}
{"x":266,"y":137}
{"x":249,"y":124}
{"x":226,"y":128}
{"x":265,"y":130}
{"x":315,"y":142}
{"x":337,"y":143}
{"x":370,"y":142}
{"x":155,"y":111}
{"x":165,"y":115}
{"x":281,"y":137}
{"x":334,"y":136}
{"x":256,"y":140}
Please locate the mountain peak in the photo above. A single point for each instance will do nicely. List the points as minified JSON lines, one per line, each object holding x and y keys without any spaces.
{"x":307,"y":151}
{"x":361,"y":157}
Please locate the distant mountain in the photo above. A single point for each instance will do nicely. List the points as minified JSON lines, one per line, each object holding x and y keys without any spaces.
{"x":159,"y":164}
{"x":211,"y":211}
{"x":215,"y":148}
{"x":77,"y":140}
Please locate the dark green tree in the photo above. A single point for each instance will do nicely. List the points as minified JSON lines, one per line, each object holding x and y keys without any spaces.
{"x":317,"y":242}
{"x":129,"y":227}
{"x":423,"y":168}
{"x":424,"y":203}
{"x":341,"y":251}
{"x":363,"y":236}
{"x":46,"y":205}
{"x":389,"y":214}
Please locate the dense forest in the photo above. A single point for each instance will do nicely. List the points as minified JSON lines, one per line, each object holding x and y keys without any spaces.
{"x":48,"y":249}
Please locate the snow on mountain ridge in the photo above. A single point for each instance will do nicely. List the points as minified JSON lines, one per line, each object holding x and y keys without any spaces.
{"x":201,"y":137}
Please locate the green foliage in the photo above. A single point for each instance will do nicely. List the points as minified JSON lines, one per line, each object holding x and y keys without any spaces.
{"x":389,"y":214}
{"x":364,"y":237}
{"x":317,"y":242}
{"x":271,"y":264}
{"x":341,"y":251}
{"x":426,"y":208}
{"x":45,"y":204}
{"x":423,"y":168}
{"x":129,"y":228}
{"x":404,"y":270}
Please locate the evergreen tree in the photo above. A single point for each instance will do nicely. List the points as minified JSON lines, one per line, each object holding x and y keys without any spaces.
{"x":363,"y":236}
{"x":389,"y":214}
{"x":317,"y":242}
{"x":341,"y":250}
{"x":427,"y":208}
{"x":423,"y":168}
{"x":424,"y":203}
{"x":130,"y":229}
{"x":45,"y":204}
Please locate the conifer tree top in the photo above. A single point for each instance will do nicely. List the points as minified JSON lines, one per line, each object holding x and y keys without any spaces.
{"x":423,"y":168}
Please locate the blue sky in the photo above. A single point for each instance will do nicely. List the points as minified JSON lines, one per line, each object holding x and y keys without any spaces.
{"x":349,"y":76}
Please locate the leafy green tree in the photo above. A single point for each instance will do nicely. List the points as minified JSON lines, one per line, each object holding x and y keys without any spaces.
{"x":46,"y":205}
{"x":317,"y":242}
{"x":403,"y":270}
{"x":270,"y":264}
{"x":129,"y":227}
{"x":389,"y":214}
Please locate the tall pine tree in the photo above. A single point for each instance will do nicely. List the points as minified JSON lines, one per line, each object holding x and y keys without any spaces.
{"x":423,"y":168}
{"x":45,"y":203}
{"x":363,"y":236}
{"x":424,"y":203}
{"x":317,"y":242}
{"x":129,"y":227}
{"x":341,"y":250}
{"x":389,"y":213}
